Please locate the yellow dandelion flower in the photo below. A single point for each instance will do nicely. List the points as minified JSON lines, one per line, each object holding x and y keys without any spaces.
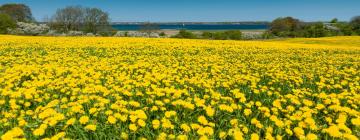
{"x":90,"y":127}
{"x":133,"y":127}
{"x":254,"y":136}
{"x":141,"y":123}
{"x":111,"y":119}
{"x":84,"y":119}
{"x":39,"y":132}
{"x":156,"y":124}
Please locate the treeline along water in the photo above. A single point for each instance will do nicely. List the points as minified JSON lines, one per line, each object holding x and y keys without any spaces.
{"x":129,"y":27}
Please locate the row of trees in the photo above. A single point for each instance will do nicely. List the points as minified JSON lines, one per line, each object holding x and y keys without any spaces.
{"x":287,"y":27}
{"x":292,"y":27}
{"x":71,"y":18}
{"x":76,"y":18}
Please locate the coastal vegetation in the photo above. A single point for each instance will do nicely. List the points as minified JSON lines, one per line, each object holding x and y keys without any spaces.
{"x":185,"y":34}
{"x":291,"y":27}
{"x":225,"y":35}
{"x":85,"y":21}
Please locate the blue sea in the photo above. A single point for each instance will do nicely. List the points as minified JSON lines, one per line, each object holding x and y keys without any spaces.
{"x":129,"y":27}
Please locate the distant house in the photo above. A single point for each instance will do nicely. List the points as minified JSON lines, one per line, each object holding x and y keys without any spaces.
{"x":330,"y":26}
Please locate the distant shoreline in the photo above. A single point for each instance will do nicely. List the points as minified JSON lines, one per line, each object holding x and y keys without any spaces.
{"x":195,"y":27}
{"x":196,"y":23}
{"x":171,"y":32}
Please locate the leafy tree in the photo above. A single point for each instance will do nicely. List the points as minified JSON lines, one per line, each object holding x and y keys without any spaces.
{"x":18,"y":12}
{"x":345,"y":28}
{"x":6,"y":22}
{"x":335,"y":20}
{"x":315,"y":30}
{"x":285,"y":27}
{"x":355,"y":23}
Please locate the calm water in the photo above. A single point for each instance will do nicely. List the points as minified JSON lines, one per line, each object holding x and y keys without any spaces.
{"x":128,"y":27}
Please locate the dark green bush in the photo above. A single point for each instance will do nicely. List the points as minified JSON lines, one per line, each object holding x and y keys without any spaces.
{"x":315,"y":30}
{"x":226,"y":35}
{"x":6,"y":22}
{"x":219,"y":36}
{"x":207,"y":35}
{"x":185,"y":34}
{"x":233,"y":35}
{"x":162,"y":34}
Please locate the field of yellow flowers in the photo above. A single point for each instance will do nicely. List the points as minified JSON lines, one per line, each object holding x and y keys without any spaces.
{"x":138,"y":88}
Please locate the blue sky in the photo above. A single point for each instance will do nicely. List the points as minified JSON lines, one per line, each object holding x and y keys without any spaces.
{"x":204,"y":10}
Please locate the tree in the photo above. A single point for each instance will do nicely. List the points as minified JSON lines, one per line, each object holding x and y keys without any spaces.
{"x":355,"y":24}
{"x":76,"y":18}
{"x":345,"y":28}
{"x":285,"y":27}
{"x":315,"y":30}
{"x":68,"y":18}
{"x":149,"y":28}
{"x":6,"y":22}
{"x":334,"y":20}
{"x":95,"y":19}
{"x":18,"y":12}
